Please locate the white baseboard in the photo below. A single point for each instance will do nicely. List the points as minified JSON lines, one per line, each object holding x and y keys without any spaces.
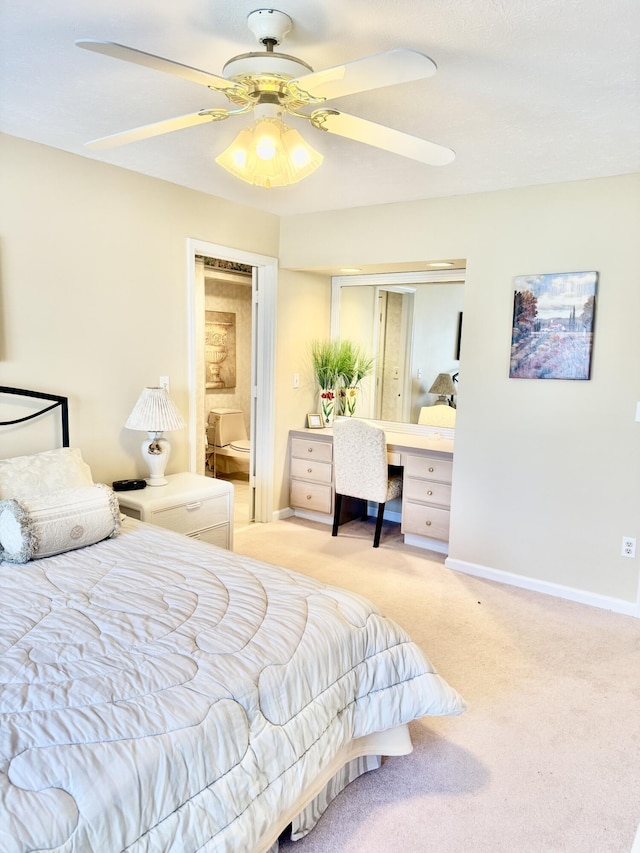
{"x":281,"y":514}
{"x":436,"y":545}
{"x":617,"y":605}
{"x":321,"y":517}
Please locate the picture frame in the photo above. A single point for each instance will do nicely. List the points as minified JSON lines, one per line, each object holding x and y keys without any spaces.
{"x":456,"y":354}
{"x":314,"y":421}
{"x":220,"y":350}
{"x":553,"y":325}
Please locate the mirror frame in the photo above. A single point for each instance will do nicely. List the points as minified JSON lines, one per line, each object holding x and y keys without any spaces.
{"x":452,"y":276}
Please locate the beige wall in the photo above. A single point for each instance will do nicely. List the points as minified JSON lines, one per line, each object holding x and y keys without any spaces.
{"x":304,"y":301}
{"x":546,"y":474}
{"x":93,"y":295}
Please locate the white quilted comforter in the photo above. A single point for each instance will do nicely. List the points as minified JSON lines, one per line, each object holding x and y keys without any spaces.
{"x":159,"y":694}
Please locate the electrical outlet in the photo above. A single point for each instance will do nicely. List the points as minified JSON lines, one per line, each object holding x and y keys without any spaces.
{"x":628,"y":546}
{"x":163,"y":382}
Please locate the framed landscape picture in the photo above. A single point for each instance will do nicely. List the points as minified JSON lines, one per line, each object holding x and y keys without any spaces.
{"x":552,"y":333}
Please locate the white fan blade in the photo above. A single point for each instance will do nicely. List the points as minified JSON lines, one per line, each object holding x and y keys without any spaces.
{"x":373,"y":72}
{"x":149,"y":130}
{"x":361,"y":130}
{"x":130,"y":54}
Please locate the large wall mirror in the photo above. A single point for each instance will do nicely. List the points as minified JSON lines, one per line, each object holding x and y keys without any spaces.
{"x":411,"y":323}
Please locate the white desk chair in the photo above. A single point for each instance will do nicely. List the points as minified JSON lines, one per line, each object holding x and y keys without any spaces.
{"x":361,"y":469}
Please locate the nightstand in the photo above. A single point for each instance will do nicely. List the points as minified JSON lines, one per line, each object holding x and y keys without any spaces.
{"x":199,"y":507}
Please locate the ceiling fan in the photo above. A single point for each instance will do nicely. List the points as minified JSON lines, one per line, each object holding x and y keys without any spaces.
{"x":272,"y":84}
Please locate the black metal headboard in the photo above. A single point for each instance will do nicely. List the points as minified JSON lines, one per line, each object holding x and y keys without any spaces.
{"x":62,"y":402}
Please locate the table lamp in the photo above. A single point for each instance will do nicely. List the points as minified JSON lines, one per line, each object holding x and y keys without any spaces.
{"x":155,"y":413}
{"x":444,"y":387}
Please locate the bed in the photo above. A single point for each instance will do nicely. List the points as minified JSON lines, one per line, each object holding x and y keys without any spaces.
{"x":162,"y":694}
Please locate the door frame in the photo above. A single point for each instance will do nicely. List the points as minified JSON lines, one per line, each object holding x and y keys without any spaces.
{"x":263,"y":342}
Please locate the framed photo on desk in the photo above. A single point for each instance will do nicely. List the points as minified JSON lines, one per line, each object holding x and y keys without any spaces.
{"x":314,"y":421}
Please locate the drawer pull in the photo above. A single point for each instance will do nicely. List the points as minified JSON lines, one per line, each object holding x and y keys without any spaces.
{"x":429,"y":492}
{"x":431,"y":470}
{"x":308,"y":497}
{"x":309,"y":449}
{"x":309,"y":470}
{"x":194,"y":505}
{"x":428,"y":523}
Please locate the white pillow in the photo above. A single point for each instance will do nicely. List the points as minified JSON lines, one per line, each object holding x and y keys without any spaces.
{"x":57,"y":522}
{"x":50,"y":471}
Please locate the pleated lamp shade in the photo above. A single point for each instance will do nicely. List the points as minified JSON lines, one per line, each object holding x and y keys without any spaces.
{"x":155,"y":413}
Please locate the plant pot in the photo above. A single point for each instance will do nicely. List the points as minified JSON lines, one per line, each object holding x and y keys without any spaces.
{"x":328,"y":402}
{"x":348,"y":400}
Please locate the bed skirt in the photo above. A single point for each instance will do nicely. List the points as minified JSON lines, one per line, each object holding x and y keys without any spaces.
{"x":368,"y":752}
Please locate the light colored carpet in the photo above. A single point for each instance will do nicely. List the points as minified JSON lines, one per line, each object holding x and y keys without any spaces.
{"x":547,"y":757}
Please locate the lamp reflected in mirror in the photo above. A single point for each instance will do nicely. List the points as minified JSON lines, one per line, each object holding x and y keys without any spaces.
{"x":445,"y":389}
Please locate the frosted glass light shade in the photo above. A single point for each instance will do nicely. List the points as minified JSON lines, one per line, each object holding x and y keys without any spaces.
{"x":270,"y":154}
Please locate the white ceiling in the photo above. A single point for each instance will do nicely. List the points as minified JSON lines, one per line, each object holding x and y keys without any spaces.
{"x":527,"y":91}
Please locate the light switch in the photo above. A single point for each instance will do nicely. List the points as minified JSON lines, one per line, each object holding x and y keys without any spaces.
{"x":296,"y":380}
{"x":638,"y":411}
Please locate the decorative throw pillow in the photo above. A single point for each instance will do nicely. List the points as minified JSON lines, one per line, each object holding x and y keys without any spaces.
{"x":41,"y":473}
{"x":60,"y":521}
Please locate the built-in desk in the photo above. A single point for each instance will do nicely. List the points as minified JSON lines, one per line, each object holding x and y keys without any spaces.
{"x":426,"y":496}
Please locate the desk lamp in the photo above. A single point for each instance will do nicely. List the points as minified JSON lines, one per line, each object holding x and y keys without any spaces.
{"x":444,"y":387}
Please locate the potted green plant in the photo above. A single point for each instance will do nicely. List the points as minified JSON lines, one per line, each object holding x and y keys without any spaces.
{"x":356,"y":365}
{"x":327,"y":361}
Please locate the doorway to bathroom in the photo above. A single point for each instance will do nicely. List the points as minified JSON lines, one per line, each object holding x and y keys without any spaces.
{"x":228,"y":303}
{"x":232,"y":297}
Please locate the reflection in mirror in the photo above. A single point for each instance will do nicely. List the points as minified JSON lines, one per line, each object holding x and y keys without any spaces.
{"x":410,"y":323}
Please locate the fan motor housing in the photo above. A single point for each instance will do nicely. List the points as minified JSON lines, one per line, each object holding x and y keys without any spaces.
{"x":248,"y":66}
{"x":269,"y":25}
{"x":268,"y":73}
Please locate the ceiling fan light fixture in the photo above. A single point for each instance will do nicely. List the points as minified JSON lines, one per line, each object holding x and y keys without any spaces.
{"x":273,"y":84}
{"x":269,"y":153}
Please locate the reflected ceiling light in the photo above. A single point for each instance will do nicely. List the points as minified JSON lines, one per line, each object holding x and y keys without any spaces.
{"x":443,"y":264}
{"x":269,"y":153}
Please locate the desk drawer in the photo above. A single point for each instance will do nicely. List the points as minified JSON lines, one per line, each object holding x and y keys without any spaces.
{"x":427,"y":491}
{"x":193,"y":515}
{"x":311,"y":469}
{"x":320,"y":451}
{"x":423,"y":520}
{"x":428,"y":467}
{"x":312,"y":496}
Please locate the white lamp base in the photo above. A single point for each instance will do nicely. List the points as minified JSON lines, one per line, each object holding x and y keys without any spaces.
{"x":155,"y":452}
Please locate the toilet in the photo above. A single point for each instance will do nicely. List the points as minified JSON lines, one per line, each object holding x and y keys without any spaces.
{"x":226,"y":430}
